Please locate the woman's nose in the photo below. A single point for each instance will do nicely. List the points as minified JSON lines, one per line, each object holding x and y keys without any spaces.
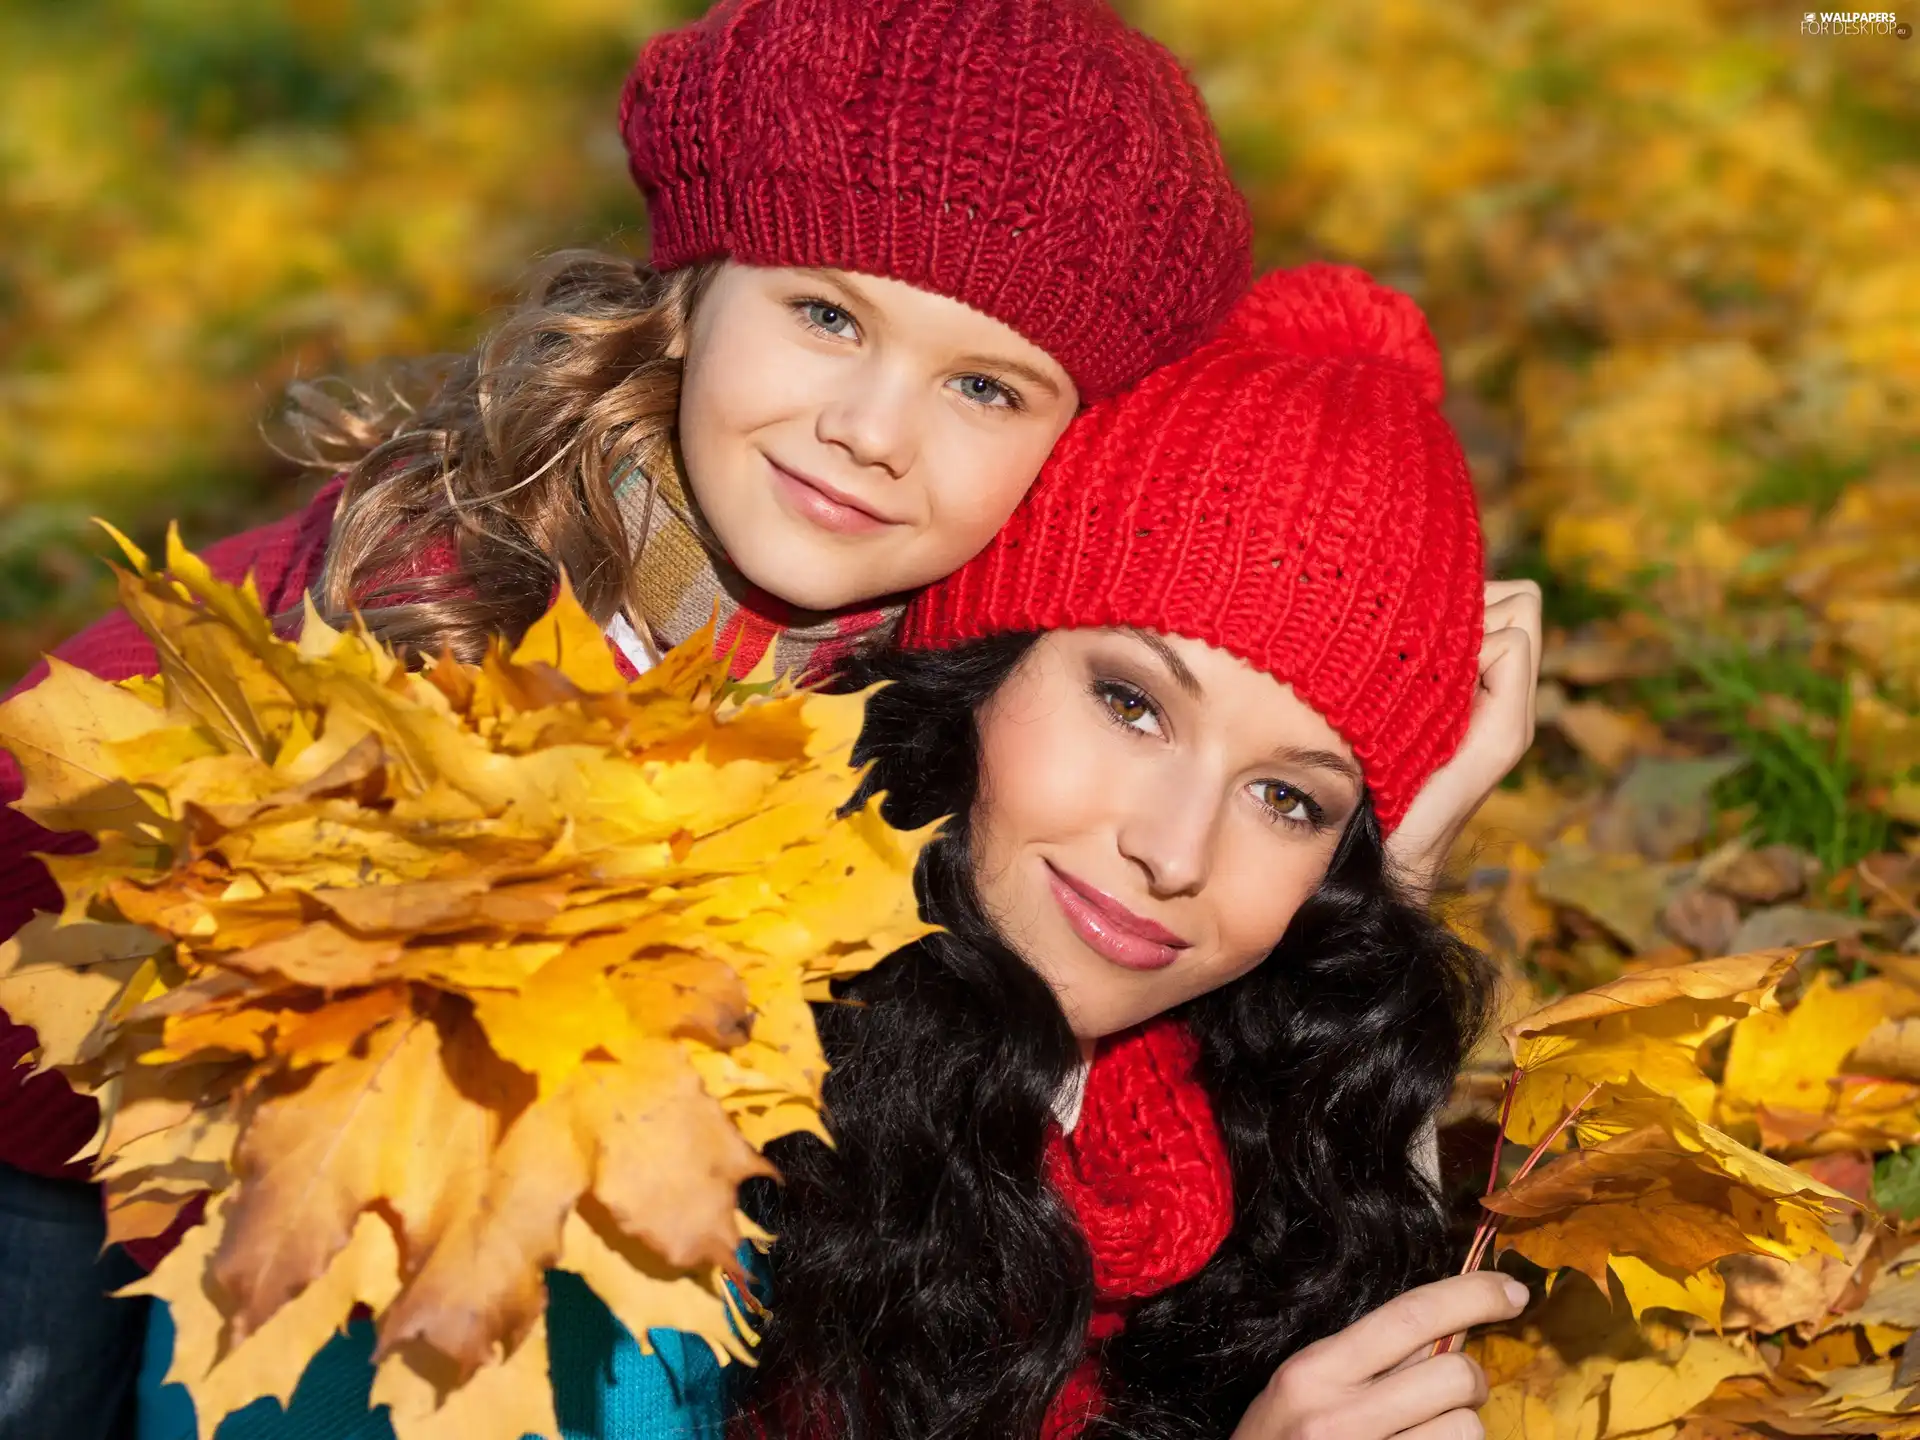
{"x":1170,"y":832}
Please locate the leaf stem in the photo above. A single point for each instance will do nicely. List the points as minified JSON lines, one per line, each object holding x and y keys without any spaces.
{"x":1500,"y":1135}
{"x":1490,"y":1225}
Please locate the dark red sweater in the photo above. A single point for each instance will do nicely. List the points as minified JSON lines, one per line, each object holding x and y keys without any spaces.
{"x":42,"y":1121}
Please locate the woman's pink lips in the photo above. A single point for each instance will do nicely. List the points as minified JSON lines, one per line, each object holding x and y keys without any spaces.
{"x":825,"y":506}
{"x":1110,"y":929}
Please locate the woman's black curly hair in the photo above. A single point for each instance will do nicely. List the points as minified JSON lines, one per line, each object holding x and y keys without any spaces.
{"x":926,"y":1282}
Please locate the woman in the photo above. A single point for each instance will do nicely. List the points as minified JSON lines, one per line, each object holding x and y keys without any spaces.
{"x":1180,"y":701}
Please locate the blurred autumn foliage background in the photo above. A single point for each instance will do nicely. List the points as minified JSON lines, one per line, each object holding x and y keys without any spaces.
{"x":1668,"y":247}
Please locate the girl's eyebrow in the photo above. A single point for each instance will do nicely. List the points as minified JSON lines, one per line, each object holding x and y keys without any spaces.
{"x":996,"y":363}
{"x":841,"y":281}
{"x":1002,"y":365}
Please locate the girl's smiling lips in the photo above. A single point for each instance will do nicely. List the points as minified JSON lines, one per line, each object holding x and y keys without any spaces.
{"x":824,"y":505}
{"x":1109,"y":928}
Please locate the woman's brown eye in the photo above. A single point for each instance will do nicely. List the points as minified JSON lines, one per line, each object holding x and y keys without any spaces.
{"x":1286,"y":803}
{"x":1126,"y":706}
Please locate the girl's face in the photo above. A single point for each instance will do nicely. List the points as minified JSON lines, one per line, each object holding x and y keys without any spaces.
{"x":849,"y":437}
{"x":1151,"y":813}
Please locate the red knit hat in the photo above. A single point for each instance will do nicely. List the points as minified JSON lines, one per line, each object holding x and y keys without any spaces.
{"x":1288,"y":493}
{"x":1035,"y":159}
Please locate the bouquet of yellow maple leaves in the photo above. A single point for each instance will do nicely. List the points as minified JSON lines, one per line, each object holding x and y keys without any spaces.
{"x":425,"y":982}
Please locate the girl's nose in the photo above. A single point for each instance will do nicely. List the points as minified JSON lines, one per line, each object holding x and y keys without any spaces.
{"x":873,"y":419}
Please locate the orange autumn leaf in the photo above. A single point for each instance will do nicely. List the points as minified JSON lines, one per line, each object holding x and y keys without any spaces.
{"x":1655,"y":1197}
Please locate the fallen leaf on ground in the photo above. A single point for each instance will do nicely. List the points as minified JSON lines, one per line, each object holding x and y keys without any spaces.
{"x":1649,"y":1025}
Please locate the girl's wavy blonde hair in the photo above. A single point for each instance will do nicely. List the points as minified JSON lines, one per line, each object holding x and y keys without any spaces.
{"x":512,"y":458}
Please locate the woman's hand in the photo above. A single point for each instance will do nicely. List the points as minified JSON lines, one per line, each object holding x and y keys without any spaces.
{"x":1376,"y":1379}
{"x":1497,"y":736}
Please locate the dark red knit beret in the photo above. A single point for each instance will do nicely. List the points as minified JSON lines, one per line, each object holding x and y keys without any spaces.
{"x":1036,"y":159}
{"x":1289,"y":493}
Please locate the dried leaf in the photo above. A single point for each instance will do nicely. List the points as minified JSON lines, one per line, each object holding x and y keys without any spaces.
{"x":1780,"y":925}
{"x":1661,"y":807}
{"x":1622,"y":892}
{"x":1651,"y":1392}
{"x":1891,"y":1048}
{"x":1607,"y":736}
{"x":1757,"y":877}
{"x":1765,"y":1294}
{"x":1704,"y":919}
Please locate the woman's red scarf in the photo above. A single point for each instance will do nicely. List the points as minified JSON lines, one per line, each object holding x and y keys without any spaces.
{"x":1145,"y":1172}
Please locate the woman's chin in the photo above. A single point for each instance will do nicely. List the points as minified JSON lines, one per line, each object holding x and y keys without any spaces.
{"x":1093,"y":1017}
{"x":1098,"y":997}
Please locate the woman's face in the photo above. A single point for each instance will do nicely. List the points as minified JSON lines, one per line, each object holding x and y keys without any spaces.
{"x":850,"y":437}
{"x":1152,"y":811}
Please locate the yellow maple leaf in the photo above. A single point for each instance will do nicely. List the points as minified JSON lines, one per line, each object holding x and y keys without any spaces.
{"x":1657,"y":1197}
{"x":1787,"y":1080}
{"x":1649,"y":1024}
{"x":1654,"y":1391}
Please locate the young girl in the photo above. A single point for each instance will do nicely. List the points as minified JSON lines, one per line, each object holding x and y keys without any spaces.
{"x":896,"y":245}
{"x":1131,"y":1148}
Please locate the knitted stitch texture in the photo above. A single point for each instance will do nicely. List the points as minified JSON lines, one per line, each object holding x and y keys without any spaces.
{"x":1145,"y":1173}
{"x":1037,"y":160}
{"x":1290,"y":494}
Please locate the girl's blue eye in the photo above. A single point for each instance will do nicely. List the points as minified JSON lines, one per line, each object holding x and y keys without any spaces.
{"x":985,"y":390}
{"x":830,"y":318}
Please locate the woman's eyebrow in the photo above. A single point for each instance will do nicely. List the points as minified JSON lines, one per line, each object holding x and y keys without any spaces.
{"x":1319,"y":760}
{"x":1182,"y":676}
{"x":1285,"y":754}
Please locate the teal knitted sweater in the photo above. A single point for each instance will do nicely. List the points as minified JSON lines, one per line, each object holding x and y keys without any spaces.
{"x":604,"y":1387}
